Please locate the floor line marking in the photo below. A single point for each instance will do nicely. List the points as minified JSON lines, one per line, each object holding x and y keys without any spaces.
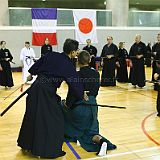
{"x":124,"y":153}
{"x":73,"y":150}
{"x":144,"y":130}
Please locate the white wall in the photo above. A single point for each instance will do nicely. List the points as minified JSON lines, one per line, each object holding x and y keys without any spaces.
{"x":16,"y":36}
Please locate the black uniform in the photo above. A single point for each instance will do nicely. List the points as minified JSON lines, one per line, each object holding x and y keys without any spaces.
{"x":91,"y":83}
{"x":46,"y":49}
{"x":6,"y":74}
{"x":158,"y":103}
{"x":42,"y":130}
{"x":108,"y":71}
{"x":93,"y":52}
{"x":74,"y":61}
{"x":158,"y":89}
{"x":138,"y":71}
{"x":122,"y":73}
{"x":155,"y":48}
{"x":81,"y":122}
{"x":148,"y":56}
{"x":90,"y":80}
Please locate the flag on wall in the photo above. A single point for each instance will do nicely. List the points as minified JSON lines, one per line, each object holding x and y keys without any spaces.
{"x":44,"y":22}
{"x":85,"y":23}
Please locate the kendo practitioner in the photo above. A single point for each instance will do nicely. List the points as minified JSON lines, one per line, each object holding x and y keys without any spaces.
{"x":122,"y":73}
{"x":46,"y":48}
{"x":156,"y":56}
{"x":109,"y":57}
{"x":148,"y":55}
{"x":42,"y":130}
{"x":137,"y":53}
{"x":5,"y":73}
{"x":81,"y":122}
{"x":27,"y":57}
{"x":93,"y":53}
{"x":157,"y":77}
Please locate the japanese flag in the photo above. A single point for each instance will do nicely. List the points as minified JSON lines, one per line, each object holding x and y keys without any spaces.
{"x":85,"y":23}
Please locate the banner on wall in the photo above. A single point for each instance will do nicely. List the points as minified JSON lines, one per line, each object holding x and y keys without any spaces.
{"x":44,"y":22}
{"x":85,"y":23}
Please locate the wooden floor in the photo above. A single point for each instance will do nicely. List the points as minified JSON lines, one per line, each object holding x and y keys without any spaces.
{"x":136,"y":130}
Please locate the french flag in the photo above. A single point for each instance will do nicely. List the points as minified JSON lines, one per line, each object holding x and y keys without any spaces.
{"x":44,"y":22}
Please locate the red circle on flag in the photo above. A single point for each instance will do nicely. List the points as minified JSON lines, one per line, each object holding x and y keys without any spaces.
{"x":85,"y":25}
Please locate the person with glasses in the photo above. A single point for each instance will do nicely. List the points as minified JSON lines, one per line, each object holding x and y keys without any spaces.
{"x":93,"y":53}
{"x":109,"y":58}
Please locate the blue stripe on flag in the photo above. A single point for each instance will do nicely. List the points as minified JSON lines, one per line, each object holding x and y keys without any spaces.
{"x":44,"y":13}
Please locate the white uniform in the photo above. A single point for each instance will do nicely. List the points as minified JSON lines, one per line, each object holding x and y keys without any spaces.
{"x":26,"y":57}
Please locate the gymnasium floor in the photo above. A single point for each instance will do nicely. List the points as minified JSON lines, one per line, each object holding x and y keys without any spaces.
{"x":135,"y":131}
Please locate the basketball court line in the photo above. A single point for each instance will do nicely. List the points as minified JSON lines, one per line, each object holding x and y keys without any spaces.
{"x":145,"y":131}
{"x":130,"y":152}
{"x":73,"y":150}
{"x":134,"y":151}
{"x":137,"y":91}
{"x":124,"y":153}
